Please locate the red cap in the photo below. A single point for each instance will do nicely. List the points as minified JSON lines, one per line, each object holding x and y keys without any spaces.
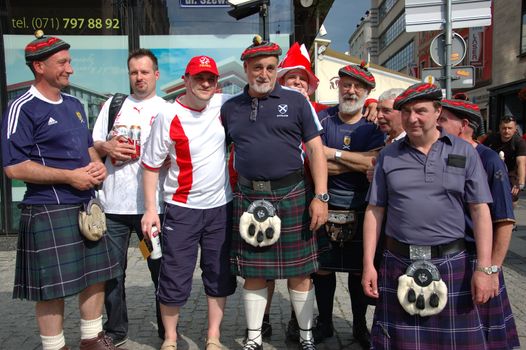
{"x":298,"y":58}
{"x":200,"y":64}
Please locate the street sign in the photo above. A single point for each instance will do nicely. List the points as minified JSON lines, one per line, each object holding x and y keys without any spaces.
{"x":462,"y":77}
{"x":204,"y":3}
{"x":438,"y":49}
{"x":426,"y":15}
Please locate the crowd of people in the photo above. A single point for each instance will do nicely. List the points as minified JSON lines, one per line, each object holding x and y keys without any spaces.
{"x":397,"y":193}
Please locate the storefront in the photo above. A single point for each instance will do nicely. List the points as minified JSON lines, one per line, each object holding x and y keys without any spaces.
{"x":102,"y":33}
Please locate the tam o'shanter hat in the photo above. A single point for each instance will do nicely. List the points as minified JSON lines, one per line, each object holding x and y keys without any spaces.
{"x":359,"y":72}
{"x":260,"y":48}
{"x":43,"y":47}
{"x":298,"y":58}
{"x":200,"y":64}
{"x":464,"y":109}
{"x":419,"y":91}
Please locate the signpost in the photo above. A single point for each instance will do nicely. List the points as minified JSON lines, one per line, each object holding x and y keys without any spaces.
{"x":462,"y":77}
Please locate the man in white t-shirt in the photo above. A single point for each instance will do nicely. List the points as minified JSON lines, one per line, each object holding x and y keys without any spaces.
{"x":198,"y":199}
{"x":122,"y":194}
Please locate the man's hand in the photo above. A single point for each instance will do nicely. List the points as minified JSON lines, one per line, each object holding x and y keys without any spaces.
{"x":371,"y":113}
{"x":370,"y":170}
{"x":118,"y":148}
{"x":319,"y":213}
{"x":370,"y":282}
{"x":495,"y":284}
{"x":481,"y":287}
{"x":149,"y":219}
{"x":86,"y":177}
{"x":97,"y":170}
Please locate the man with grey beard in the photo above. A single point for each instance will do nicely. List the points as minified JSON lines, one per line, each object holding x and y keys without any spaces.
{"x":349,"y":142}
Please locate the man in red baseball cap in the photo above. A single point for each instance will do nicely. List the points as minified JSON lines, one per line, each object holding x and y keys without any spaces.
{"x":198,"y":199}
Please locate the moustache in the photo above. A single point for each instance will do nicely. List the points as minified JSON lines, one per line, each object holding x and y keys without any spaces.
{"x":350,"y":97}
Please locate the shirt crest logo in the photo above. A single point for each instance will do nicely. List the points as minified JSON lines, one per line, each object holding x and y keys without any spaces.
{"x":346,"y":140}
{"x":282,"y":110}
{"x":51,"y":121}
{"x":79,"y":115}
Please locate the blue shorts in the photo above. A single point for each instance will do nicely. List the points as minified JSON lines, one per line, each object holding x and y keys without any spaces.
{"x":183,"y":231}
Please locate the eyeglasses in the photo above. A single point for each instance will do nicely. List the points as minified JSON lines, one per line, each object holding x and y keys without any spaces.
{"x":357,"y":86}
{"x":254,"y":111}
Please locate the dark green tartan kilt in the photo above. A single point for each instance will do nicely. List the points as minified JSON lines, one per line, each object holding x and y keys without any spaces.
{"x":294,"y":254}
{"x":53,"y":259}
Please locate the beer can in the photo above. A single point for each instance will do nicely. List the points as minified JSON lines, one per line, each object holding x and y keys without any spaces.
{"x":134,"y":138}
{"x":156,"y":244}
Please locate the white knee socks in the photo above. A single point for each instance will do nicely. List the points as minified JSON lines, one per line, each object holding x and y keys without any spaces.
{"x":303,"y":304}
{"x":53,"y":342}
{"x":90,"y":329}
{"x":255,"y":302}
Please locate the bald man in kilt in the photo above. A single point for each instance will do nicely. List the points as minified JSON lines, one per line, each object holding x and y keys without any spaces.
{"x":275,"y":215}
{"x":426,"y":288}
{"x":46,"y":143}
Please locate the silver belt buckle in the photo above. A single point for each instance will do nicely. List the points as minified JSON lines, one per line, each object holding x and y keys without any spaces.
{"x":419,"y":252}
{"x":261,"y":186}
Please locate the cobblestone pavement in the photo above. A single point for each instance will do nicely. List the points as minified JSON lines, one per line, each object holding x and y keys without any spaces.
{"x":18,"y":329}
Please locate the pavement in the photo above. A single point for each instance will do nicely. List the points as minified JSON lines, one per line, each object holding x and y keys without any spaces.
{"x":18,"y":328}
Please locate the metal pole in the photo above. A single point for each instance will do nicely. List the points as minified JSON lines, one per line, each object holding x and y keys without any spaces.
{"x":263,"y":21}
{"x":316,"y":50}
{"x":449,"y":36}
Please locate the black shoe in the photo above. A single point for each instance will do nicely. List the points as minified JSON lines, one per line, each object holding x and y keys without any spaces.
{"x":322,"y":330}
{"x":118,"y":341}
{"x":293,"y":330}
{"x":250,"y":345}
{"x":307,"y":345}
{"x":362,"y":336}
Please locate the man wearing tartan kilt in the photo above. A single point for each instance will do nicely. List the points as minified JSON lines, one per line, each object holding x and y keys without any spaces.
{"x":267,"y":124}
{"x":426,"y":288}
{"x":462,"y":118}
{"x":46,"y":143}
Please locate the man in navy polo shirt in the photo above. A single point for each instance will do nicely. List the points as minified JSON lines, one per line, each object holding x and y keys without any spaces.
{"x":268,"y":124}
{"x":462,"y":118}
{"x":350,"y":141}
{"x":46,"y":143}
{"x":426,"y":287}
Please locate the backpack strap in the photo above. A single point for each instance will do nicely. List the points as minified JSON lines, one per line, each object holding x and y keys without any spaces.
{"x":115,"y":106}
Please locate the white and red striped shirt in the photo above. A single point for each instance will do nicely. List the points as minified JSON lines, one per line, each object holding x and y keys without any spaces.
{"x":195,"y":142}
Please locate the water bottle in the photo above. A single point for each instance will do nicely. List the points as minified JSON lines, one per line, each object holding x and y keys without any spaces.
{"x":156,"y":244}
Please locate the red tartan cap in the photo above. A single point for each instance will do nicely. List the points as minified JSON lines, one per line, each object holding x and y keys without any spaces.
{"x":43,"y":47}
{"x":200,"y":64}
{"x":358,"y":72}
{"x":419,"y":91}
{"x":260,"y":48}
{"x":464,"y":110}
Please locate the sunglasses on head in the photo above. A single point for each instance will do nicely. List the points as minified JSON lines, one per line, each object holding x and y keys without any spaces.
{"x":508,"y":118}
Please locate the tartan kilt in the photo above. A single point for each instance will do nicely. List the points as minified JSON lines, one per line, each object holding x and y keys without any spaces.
{"x":296,"y":251}
{"x":346,"y":258}
{"x":497,"y":318}
{"x":458,"y":326}
{"x":53,"y":260}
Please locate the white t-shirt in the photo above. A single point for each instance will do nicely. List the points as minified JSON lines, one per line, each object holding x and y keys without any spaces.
{"x":195,"y":141}
{"x":122,"y":191}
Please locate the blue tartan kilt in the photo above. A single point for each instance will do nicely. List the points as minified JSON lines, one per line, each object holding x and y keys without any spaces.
{"x":53,"y":259}
{"x":497,"y":319}
{"x":458,"y":326}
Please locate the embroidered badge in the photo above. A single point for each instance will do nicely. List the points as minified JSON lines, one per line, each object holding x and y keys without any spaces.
{"x":79,"y":115}
{"x":282,"y":110}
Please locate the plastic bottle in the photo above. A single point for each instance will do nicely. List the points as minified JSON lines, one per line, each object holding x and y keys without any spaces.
{"x":156,"y":244}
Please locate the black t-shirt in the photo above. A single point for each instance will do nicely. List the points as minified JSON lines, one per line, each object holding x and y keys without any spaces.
{"x":513,"y":148}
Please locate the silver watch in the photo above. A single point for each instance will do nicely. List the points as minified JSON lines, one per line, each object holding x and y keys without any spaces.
{"x":324,"y":197}
{"x":337,"y":155}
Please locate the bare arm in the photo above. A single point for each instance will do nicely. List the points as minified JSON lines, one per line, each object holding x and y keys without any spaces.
{"x":501,"y":241}
{"x":150,"y":217}
{"x":353,"y":161}
{"x":521,"y":169}
{"x":481,"y":284}
{"x":371,"y":232}
{"x":318,"y":167}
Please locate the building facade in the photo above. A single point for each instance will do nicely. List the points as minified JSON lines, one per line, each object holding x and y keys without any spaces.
{"x":103,"y":32}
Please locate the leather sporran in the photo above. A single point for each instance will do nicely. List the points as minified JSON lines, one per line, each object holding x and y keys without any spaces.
{"x":92,"y":221}
{"x":341,"y":226}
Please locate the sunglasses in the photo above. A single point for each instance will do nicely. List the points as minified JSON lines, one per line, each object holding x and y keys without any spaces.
{"x":254,"y":111}
{"x":508,"y":118}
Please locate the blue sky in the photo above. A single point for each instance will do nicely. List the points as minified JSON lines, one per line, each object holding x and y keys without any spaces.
{"x":341,"y":21}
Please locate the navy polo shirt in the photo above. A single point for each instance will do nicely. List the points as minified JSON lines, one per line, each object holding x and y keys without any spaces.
{"x":51,"y":134}
{"x":424,"y":196}
{"x":361,"y":136}
{"x":499,"y":185}
{"x":270,"y":147}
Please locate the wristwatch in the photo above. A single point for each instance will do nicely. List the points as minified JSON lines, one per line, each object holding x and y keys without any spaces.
{"x":324,"y":197}
{"x":488,"y":270}
{"x":337,"y":155}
